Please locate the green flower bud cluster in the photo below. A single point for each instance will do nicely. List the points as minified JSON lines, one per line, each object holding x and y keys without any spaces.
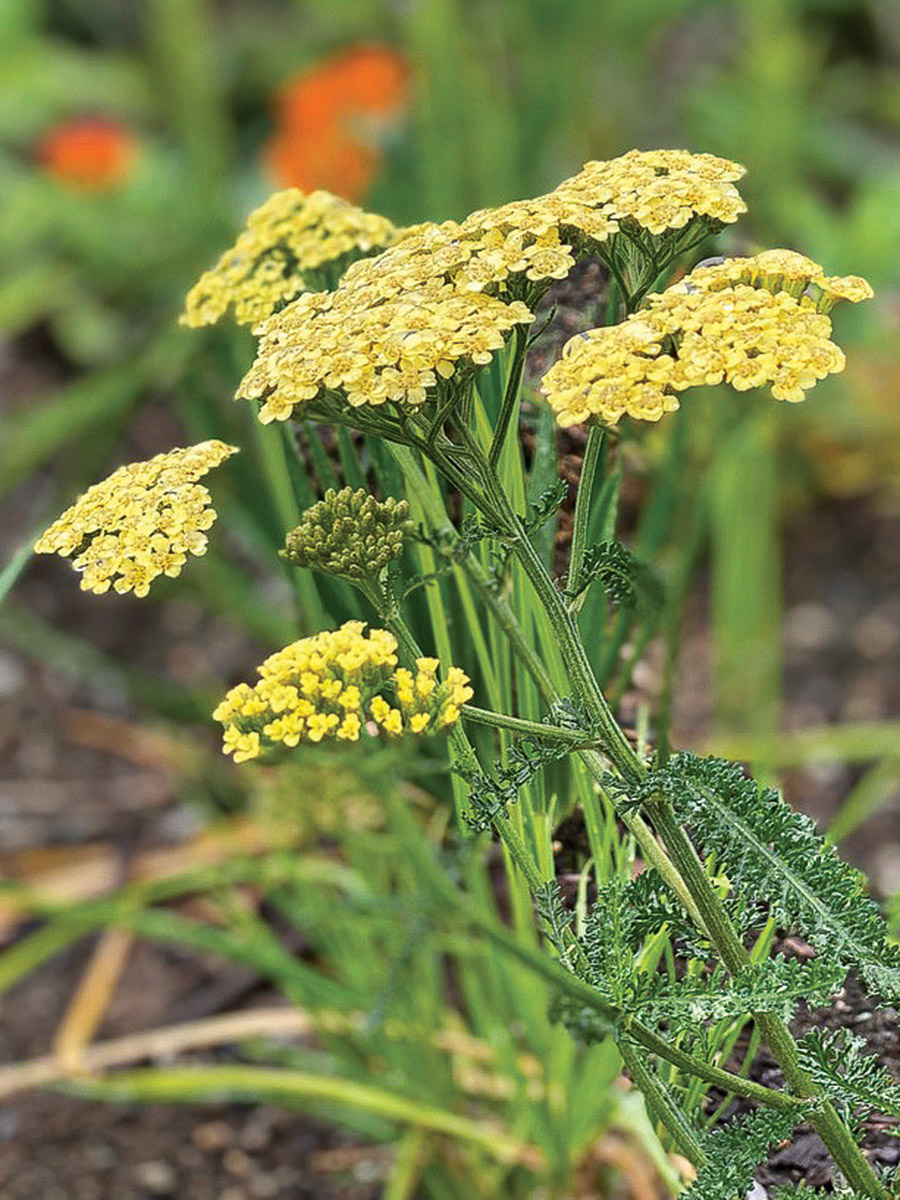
{"x":349,"y":533}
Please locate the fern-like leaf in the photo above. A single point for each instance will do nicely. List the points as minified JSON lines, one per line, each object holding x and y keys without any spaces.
{"x":734,"y":1151}
{"x":852,"y":1078}
{"x":624,"y":578}
{"x":774,"y":986}
{"x":548,"y":903}
{"x":771,"y":852}
{"x":541,"y":510}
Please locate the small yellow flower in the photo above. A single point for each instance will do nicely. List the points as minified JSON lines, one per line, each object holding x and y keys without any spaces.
{"x":141,"y":522}
{"x":327,"y":686}
{"x":290,"y":234}
{"x":748,"y":322}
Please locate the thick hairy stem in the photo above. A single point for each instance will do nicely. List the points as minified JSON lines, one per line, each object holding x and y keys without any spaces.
{"x":832,"y":1130}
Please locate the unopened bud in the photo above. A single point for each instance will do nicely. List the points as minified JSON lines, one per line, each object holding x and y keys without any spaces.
{"x":349,"y":533}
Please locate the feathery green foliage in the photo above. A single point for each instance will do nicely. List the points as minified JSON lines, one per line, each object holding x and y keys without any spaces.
{"x":849,"y":1073}
{"x":735,"y":1150}
{"x":770,"y":851}
{"x":623,"y":577}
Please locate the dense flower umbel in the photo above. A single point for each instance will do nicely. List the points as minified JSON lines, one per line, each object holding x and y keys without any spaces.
{"x":329,"y":686}
{"x":349,"y":533}
{"x":660,"y":189}
{"x":747,"y":322}
{"x":288,"y":235}
{"x":141,"y":522}
{"x":393,"y":348}
{"x":447,"y":296}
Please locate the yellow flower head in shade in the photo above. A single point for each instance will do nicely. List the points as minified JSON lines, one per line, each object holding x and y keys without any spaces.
{"x":141,"y":522}
{"x":714,"y":326}
{"x":328,"y":687}
{"x":659,"y":189}
{"x":288,"y":236}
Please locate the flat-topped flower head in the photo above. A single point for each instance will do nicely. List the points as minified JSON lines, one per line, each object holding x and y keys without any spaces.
{"x":749,"y":322}
{"x":373,"y":343}
{"x":443,"y":298}
{"x":660,"y":189}
{"x":784,"y":271}
{"x":350,"y":533}
{"x":141,"y":522}
{"x":286,"y":239}
{"x":328,"y":687}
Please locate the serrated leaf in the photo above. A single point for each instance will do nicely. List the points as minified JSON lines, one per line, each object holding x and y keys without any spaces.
{"x":625,"y":579}
{"x":772,"y":986}
{"x":853,"y":1078}
{"x":772,"y":852}
{"x":734,"y":1151}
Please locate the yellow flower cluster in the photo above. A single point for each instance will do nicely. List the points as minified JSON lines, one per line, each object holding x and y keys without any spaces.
{"x":141,"y":522}
{"x":328,"y":686}
{"x":784,"y":271}
{"x":395,"y":349}
{"x":711,"y":327}
{"x":290,"y":234}
{"x":446,"y":296}
{"x":660,"y":189}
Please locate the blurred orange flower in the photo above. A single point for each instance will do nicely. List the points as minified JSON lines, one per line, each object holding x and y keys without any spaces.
{"x":90,"y":154}
{"x":330,"y":119}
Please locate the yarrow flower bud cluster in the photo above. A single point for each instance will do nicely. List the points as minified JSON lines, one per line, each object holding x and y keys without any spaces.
{"x":329,"y":686}
{"x":747,"y":322}
{"x":289,"y":236}
{"x":446,"y":297}
{"x":350,"y":533}
{"x":141,"y":522}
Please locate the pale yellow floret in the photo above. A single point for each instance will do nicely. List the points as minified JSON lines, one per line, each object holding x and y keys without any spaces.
{"x":141,"y":522}
{"x":748,"y":322}
{"x":291,"y":234}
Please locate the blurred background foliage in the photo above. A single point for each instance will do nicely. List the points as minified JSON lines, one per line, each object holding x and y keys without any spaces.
{"x":196,"y":110}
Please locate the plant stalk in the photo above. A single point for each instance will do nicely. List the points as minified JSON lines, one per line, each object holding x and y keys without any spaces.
{"x":824,"y":1117}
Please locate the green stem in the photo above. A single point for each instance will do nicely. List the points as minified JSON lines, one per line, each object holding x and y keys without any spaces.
{"x":499,"y":608}
{"x":716,"y":1076}
{"x":508,"y":621}
{"x":503,"y":614}
{"x":510,"y":836}
{"x":510,"y":397}
{"x":825,"y":1119}
{"x":610,"y":734}
{"x":593,"y":453}
{"x":661,"y":1107}
{"x":452,"y":900}
{"x":550,"y":733}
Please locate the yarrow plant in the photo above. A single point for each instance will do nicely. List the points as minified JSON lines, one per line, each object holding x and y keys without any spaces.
{"x":419,"y":344}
